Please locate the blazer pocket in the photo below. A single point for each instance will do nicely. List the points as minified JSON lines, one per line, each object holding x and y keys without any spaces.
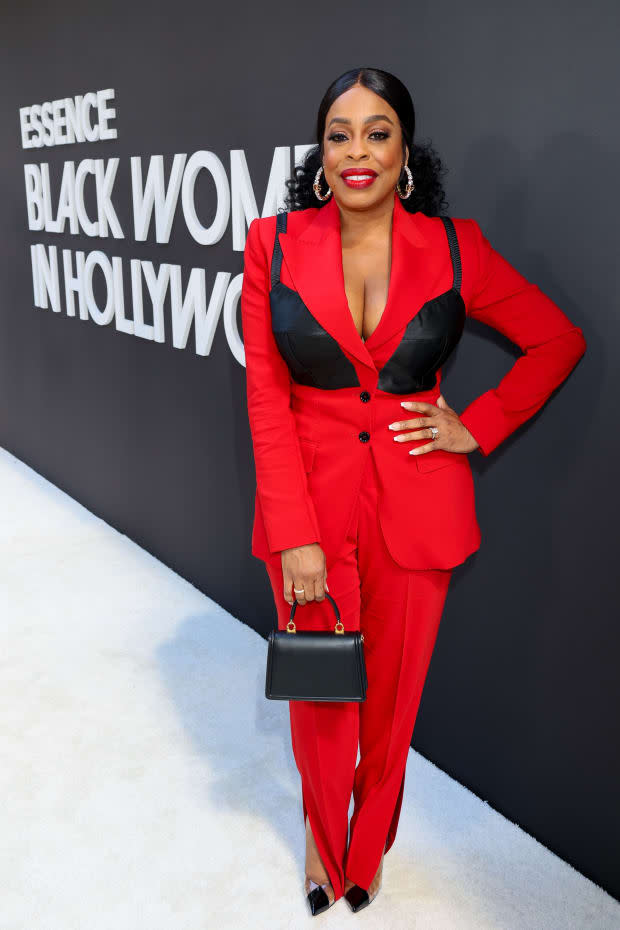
{"x":439,"y":458}
{"x":308,"y":448}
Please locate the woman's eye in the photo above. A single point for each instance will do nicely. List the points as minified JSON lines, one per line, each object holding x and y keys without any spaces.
{"x":377,"y":133}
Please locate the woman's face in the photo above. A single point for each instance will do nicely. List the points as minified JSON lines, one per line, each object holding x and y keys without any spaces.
{"x":362,"y":132}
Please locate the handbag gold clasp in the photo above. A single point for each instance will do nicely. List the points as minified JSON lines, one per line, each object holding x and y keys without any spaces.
{"x":291,"y":628}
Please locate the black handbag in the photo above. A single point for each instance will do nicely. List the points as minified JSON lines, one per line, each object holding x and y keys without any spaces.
{"x":315,"y":665}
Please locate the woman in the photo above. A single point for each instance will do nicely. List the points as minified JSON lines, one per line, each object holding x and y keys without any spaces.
{"x":349,"y":310}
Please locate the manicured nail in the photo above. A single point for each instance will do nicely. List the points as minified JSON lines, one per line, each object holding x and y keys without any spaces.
{"x":393,"y":426}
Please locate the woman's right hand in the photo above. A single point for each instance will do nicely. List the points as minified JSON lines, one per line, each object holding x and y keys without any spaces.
{"x":304,"y":567}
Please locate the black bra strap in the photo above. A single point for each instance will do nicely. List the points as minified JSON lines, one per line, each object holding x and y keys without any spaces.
{"x":455,"y":254}
{"x":276,"y":258}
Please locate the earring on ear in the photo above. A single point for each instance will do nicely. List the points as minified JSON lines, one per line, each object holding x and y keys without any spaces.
{"x":317,"y":187}
{"x":410,"y":185}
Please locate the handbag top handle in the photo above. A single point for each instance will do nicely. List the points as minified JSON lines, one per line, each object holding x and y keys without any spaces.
{"x":290,"y":626}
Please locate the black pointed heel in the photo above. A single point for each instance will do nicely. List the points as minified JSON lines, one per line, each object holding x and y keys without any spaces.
{"x":317,"y":897}
{"x":358,"y":898}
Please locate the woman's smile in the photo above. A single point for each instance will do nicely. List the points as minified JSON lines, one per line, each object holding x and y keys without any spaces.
{"x":358,"y":177}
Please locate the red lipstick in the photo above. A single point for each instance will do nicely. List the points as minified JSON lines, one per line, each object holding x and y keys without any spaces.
{"x":358,"y":177}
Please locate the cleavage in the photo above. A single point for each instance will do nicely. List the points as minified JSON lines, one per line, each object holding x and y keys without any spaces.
{"x":366,"y":287}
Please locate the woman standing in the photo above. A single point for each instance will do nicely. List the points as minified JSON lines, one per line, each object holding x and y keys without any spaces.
{"x":351,"y":303}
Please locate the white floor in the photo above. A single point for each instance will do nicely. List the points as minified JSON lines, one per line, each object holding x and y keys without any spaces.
{"x":148,"y":785}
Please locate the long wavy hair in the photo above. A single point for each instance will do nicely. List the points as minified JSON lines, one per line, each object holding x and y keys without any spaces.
{"x":426,"y":167}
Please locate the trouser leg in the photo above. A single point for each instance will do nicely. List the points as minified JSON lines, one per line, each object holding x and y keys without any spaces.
{"x":399,"y":617}
{"x":325,"y":734}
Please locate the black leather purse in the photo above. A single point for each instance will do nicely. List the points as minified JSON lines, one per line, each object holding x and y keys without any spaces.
{"x":315,"y":665}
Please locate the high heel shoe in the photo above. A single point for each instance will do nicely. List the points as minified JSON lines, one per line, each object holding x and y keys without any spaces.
{"x":318,"y":898}
{"x":316,"y":893}
{"x":358,"y":898}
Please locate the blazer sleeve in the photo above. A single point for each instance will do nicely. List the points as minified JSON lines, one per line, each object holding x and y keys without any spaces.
{"x":281,"y":482}
{"x":551,"y":344}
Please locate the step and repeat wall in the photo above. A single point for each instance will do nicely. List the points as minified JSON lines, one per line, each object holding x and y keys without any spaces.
{"x":139,"y":141}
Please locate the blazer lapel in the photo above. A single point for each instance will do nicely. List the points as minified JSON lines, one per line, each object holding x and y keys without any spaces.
{"x":314,"y":260}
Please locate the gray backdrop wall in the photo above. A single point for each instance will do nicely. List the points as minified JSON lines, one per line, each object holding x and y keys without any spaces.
{"x":522,"y":699}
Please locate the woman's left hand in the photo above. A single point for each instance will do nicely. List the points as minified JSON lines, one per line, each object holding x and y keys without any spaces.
{"x":452,"y":435}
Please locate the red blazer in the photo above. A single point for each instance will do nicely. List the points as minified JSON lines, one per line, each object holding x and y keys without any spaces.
{"x":311,"y":444}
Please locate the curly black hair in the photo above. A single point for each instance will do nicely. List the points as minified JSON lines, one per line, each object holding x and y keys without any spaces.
{"x":426,"y":167}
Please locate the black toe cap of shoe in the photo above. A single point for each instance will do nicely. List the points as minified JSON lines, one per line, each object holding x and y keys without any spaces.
{"x":357,"y":898}
{"x":318,"y":900}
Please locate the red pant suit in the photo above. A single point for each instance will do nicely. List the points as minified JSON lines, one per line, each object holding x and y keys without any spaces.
{"x":392,"y":525}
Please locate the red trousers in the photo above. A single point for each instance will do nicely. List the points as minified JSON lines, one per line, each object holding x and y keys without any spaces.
{"x":398,"y":611}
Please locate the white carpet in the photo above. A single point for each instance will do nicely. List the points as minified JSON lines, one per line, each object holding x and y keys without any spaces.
{"x":148,"y":785}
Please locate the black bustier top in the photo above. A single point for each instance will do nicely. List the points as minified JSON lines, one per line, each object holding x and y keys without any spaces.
{"x":315,"y":358}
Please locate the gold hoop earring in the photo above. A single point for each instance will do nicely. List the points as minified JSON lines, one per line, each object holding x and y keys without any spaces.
{"x":317,"y":187}
{"x":410,"y":185}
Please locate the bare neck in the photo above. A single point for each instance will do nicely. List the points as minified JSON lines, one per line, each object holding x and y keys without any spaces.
{"x":359,"y":225}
